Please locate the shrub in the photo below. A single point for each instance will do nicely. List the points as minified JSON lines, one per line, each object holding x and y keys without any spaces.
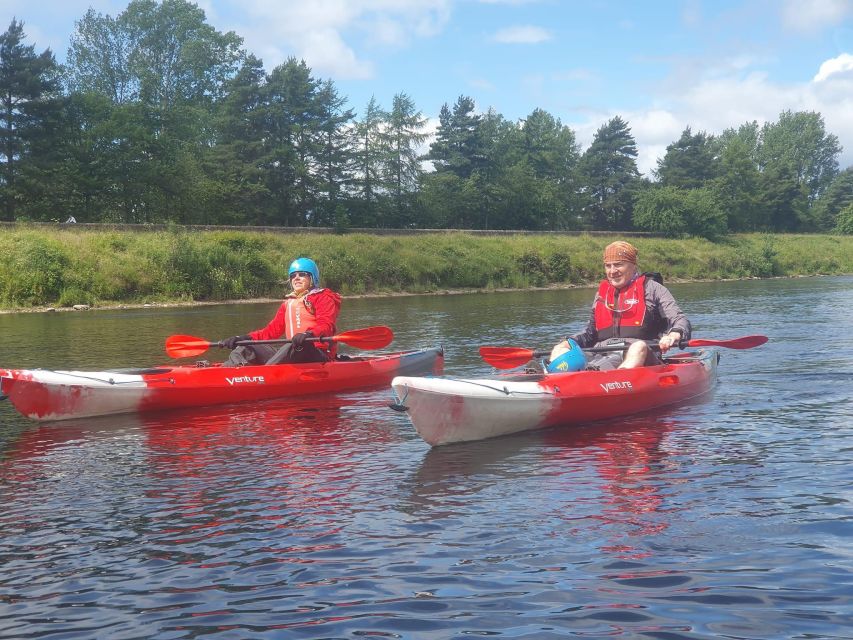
{"x":678,"y":212}
{"x":662,"y":210}
{"x":531,"y":265}
{"x":844,"y":222}
{"x":39,"y":269}
{"x":559,"y":267}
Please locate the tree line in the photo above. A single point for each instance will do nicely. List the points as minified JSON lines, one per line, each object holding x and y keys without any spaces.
{"x":158,"y":117}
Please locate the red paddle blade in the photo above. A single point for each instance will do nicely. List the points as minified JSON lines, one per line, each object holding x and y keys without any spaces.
{"x":506,"y":357}
{"x":745,"y":342}
{"x":186,"y":346}
{"x":369,"y":338}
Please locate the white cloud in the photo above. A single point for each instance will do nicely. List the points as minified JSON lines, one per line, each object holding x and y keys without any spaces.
{"x":522,"y":34}
{"x":715,"y":104}
{"x":325,"y":49}
{"x":839,"y":65}
{"x":814,"y":15}
{"x":325,"y":32}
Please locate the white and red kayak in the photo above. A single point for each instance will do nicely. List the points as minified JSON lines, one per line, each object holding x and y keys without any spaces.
{"x":60,"y":395}
{"x":445,"y":410}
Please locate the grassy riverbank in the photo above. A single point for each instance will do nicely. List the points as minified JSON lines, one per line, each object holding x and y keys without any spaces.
{"x":64,"y":267}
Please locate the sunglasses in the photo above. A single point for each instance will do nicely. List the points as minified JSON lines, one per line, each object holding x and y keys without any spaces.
{"x":301,"y":274}
{"x":630,"y":305}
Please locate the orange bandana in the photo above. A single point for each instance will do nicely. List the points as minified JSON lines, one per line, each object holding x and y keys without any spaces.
{"x":620,"y":251}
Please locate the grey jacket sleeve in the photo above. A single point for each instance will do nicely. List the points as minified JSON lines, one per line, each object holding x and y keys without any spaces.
{"x":589,"y":336}
{"x":659,"y":298}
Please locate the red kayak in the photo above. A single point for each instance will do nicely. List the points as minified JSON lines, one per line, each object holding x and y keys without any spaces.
{"x":60,"y":395}
{"x":446,"y":410}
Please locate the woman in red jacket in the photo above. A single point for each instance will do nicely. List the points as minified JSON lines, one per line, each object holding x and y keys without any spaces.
{"x":307,"y":312}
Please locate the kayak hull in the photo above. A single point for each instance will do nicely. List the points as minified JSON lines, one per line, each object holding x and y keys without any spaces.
{"x":447,"y":410}
{"x":45,"y":395}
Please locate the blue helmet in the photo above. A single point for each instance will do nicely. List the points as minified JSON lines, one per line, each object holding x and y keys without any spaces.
{"x":305,"y":264}
{"x":572,"y":360}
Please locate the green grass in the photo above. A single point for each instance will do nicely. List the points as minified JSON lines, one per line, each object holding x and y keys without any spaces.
{"x":64,"y":267}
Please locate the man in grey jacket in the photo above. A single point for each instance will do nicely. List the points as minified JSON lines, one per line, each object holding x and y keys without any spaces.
{"x":629,"y":308}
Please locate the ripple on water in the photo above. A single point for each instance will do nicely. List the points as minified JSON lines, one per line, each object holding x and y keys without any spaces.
{"x":330,"y":518}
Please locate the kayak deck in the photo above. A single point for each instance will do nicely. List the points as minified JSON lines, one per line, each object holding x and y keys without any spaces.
{"x":46,"y":395}
{"x":446,"y":410}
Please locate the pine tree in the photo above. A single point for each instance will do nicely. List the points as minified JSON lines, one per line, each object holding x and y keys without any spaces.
{"x":335,"y":155}
{"x":690,"y":162}
{"x":609,"y":176}
{"x":233,"y":163}
{"x":28,"y":91}
{"x":291,"y":141}
{"x":370,"y":159}
{"x":458,"y":143}
{"x":404,"y":135}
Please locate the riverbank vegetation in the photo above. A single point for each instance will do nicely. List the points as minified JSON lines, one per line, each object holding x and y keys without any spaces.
{"x":67,"y":266}
{"x":208,"y":136}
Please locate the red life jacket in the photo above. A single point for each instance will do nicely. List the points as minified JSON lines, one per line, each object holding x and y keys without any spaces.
{"x":299,"y":317}
{"x":622,"y":313}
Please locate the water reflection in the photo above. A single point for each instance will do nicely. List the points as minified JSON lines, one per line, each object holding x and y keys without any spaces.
{"x":620,"y":467}
{"x":632,"y":468}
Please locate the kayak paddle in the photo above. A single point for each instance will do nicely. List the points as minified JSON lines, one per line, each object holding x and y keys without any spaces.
{"x":512,"y":357}
{"x":370,"y":338}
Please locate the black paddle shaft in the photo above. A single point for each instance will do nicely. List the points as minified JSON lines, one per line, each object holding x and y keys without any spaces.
{"x":622,"y":346}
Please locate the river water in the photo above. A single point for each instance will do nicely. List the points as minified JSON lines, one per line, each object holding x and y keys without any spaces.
{"x":329,"y":517}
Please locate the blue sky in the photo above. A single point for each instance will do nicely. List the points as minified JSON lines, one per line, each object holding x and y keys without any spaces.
{"x":661,"y":65}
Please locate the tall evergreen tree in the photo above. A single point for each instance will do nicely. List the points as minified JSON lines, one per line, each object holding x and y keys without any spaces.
{"x":609,"y":176}
{"x":553,"y":155}
{"x":689,"y":163}
{"x":335,"y":155}
{"x":500,"y":143}
{"x":370,"y":155}
{"x":440,"y":149}
{"x":28,"y":96}
{"x":290,"y":149}
{"x":458,"y":144}
{"x":404,"y":135}
{"x":233,"y":162}
{"x":550,"y":147}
